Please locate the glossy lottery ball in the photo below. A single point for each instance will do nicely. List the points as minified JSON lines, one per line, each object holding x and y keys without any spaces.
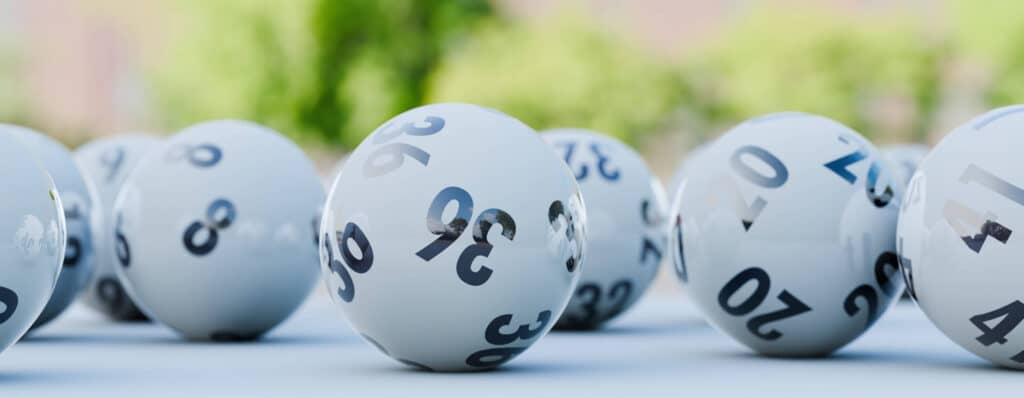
{"x":32,"y":249}
{"x":106,"y":163}
{"x":626,"y":209}
{"x":906,"y":158}
{"x":214,"y":231}
{"x":77,"y":200}
{"x":785,"y":235}
{"x":453,"y":238}
{"x":960,"y":237}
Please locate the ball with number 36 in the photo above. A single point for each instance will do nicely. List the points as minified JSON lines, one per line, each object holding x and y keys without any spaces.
{"x":625,"y":225}
{"x":959,"y":236}
{"x":785,"y":234}
{"x":215,"y":231}
{"x":453,"y":238}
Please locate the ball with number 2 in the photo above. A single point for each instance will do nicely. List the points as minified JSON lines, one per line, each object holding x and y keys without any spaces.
{"x":784,"y":234}
{"x":453,"y":238}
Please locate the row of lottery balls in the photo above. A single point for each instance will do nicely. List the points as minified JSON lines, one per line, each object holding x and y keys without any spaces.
{"x":215,"y":233}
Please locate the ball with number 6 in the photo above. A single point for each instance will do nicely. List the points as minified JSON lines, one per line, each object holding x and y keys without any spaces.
{"x":106,"y":162}
{"x":33,"y":233}
{"x":625,"y":225}
{"x":453,"y":238}
{"x":214,"y":233}
{"x":959,"y":242}
{"x":785,"y":234}
{"x":77,"y":200}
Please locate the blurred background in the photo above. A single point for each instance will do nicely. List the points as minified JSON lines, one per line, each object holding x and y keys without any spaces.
{"x":660,"y":74}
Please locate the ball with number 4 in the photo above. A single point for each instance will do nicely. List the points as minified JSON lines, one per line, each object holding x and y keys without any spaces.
{"x":453,"y":238}
{"x":77,"y":200}
{"x":214,"y":231}
{"x":625,"y":231}
{"x":106,"y":162}
{"x":959,"y":236}
{"x":785,"y":234}
{"x":33,"y":232}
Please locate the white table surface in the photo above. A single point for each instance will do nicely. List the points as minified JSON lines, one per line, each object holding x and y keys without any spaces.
{"x":661,"y":348}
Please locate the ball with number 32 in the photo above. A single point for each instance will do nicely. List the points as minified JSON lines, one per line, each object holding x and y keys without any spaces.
{"x":453,"y":238}
{"x":625,"y":225}
{"x":785,"y":234}
{"x":959,"y":240}
{"x":214,"y":231}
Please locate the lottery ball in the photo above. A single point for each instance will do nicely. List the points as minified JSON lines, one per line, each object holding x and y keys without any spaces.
{"x":959,"y":236}
{"x":34,"y":238}
{"x":684,"y":168}
{"x":106,"y":163}
{"x":785,"y":235}
{"x":214,"y":234}
{"x":625,"y":225}
{"x":78,"y":210}
{"x":453,"y":238}
{"x":906,"y":158}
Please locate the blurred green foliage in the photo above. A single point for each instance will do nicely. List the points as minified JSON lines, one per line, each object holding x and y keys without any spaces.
{"x":820,"y":62}
{"x":328,"y":71}
{"x":317,"y":70}
{"x":562,"y":71}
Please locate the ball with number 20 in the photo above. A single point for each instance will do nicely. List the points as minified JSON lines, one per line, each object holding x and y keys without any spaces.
{"x":784,"y":234}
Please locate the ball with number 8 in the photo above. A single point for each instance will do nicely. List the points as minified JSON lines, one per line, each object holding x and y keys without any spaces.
{"x":214,"y":231}
{"x":33,"y":233}
{"x":625,"y":231}
{"x":958,"y":236}
{"x":785,"y":234}
{"x":77,"y":200}
{"x":453,"y":238}
{"x":107,"y":162}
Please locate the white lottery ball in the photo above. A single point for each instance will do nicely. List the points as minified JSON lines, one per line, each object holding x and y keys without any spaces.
{"x":626,"y":209}
{"x":214,"y":231}
{"x":453,"y":238}
{"x":959,"y":236}
{"x":785,"y":237}
{"x":106,"y":163}
{"x":77,"y":199}
{"x":906,"y":158}
{"x":34,"y":237}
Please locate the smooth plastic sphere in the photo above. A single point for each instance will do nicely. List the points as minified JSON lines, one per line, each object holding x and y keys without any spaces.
{"x":785,"y":235}
{"x":453,"y":238}
{"x":959,"y":236}
{"x":106,"y":163}
{"x":906,"y":158}
{"x":34,"y":235}
{"x":215,"y":231}
{"x":77,"y":199}
{"x":626,"y":210}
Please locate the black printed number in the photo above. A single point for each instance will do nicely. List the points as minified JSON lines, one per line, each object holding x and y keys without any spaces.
{"x":748,"y":213}
{"x":359,"y":264}
{"x":793,"y":305}
{"x":878,"y":197}
{"x":121,"y":248}
{"x":391,"y":157}
{"x":1012,"y":315}
{"x":73,"y":253}
{"x":973,"y":227}
{"x":564,"y":220}
{"x":10,"y":301}
{"x":603,"y":162}
{"x":450,"y":232}
{"x":886,"y":265}
{"x":590,"y":295}
{"x":219,"y":216}
{"x":494,"y":334}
